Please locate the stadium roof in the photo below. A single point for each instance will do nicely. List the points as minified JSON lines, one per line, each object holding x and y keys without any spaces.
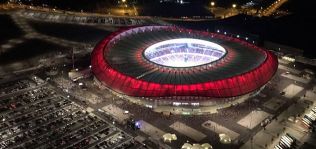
{"x":122,"y":57}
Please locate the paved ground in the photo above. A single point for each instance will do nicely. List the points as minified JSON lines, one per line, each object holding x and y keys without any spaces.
{"x":188,"y":131}
{"x":274,"y":104}
{"x":219,"y":129}
{"x":253,"y":119}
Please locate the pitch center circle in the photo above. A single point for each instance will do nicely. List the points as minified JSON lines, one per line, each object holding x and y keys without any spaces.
{"x":184,"y":52}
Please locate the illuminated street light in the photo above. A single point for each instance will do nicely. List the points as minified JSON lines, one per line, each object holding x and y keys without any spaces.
{"x":123,"y":1}
{"x":212,"y":3}
{"x":234,"y":5}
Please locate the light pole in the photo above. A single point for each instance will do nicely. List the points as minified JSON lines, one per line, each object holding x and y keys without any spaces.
{"x":122,"y":4}
{"x":212,"y":6}
{"x":234,"y":5}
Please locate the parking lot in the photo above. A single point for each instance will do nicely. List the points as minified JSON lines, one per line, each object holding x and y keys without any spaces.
{"x":34,"y":115}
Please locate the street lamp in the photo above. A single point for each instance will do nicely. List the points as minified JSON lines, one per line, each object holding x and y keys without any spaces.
{"x":234,"y":5}
{"x":212,"y":6}
{"x":123,"y":1}
{"x":212,"y":3}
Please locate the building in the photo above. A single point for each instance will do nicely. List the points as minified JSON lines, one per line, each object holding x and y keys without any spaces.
{"x":169,"y":66}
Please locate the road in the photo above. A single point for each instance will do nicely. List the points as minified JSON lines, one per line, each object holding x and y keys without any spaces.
{"x":273,"y":7}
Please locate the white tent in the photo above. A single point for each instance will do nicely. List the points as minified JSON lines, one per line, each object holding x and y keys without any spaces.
{"x":207,"y":146}
{"x":196,"y":146}
{"x":168,"y":137}
{"x":186,"y":146}
{"x":224,"y":138}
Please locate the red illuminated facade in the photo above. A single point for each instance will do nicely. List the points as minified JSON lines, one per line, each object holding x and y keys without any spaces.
{"x":223,"y":86}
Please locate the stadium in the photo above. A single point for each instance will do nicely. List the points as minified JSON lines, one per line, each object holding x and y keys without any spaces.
{"x":167,"y":66}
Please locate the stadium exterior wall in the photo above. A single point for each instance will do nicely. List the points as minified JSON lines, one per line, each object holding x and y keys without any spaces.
{"x":180,"y":105}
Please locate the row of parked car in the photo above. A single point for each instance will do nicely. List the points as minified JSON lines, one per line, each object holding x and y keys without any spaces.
{"x":286,"y":142}
{"x":14,"y":86}
{"x":309,"y":119}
